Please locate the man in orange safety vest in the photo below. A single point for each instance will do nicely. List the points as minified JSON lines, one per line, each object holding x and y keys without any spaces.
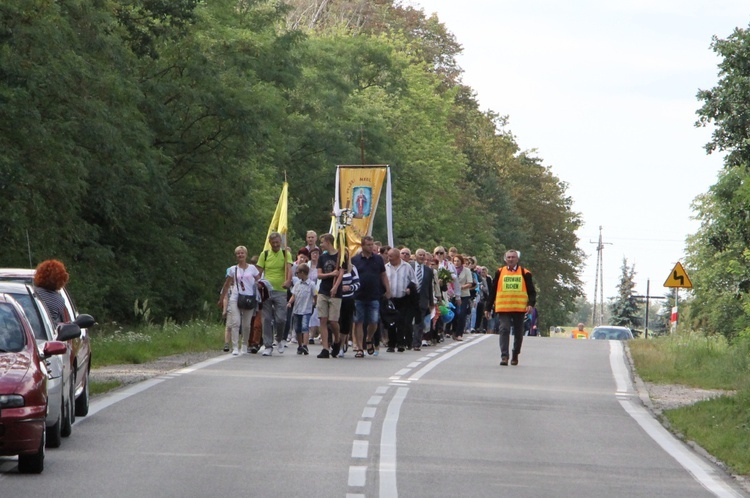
{"x":513,"y":296}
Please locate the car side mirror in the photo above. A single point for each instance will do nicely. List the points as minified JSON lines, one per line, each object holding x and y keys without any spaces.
{"x":84,"y":321}
{"x":67,"y":331}
{"x":53,"y":348}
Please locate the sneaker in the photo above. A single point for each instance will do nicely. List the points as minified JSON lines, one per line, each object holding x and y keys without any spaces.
{"x":300,"y":350}
{"x":254,"y":350}
{"x":312,"y":340}
{"x":417,"y":348}
{"x":235,"y":352}
{"x":226,"y":347}
{"x":294,"y":340}
{"x":280,"y":348}
{"x":390,"y":350}
{"x":400,"y":350}
{"x":268,"y":352}
{"x":376,"y":352}
{"x":341,"y":353}
{"x":335,"y":349}
{"x":504,"y":361}
{"x":425,"y":344}
{"x":324,"y":354}
{"x":305,"y":350}
{"x":244,"y":349}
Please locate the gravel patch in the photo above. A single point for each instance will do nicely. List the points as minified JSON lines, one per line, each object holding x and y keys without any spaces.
{"x":130,"y":374}
{"x":670,"y":396}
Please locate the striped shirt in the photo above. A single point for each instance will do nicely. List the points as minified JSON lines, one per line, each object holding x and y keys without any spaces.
{"x":55,"y":304}
{"x":351,"y":279}
{"x":399,"y":277}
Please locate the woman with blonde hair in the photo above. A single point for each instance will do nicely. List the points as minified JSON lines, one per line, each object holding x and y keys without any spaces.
{"x":241,"y":278}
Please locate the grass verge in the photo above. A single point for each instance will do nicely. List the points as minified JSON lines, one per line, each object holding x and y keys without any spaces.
{"x":150,"y":342}
{"x":720,"y":425}
{"x":96,"y":387}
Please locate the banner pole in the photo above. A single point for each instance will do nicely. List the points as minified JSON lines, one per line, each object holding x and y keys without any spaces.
{"x":389,"y":206}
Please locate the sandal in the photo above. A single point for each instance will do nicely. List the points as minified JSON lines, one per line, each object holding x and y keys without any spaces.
{"x":359,"y":354}
{"x":370,"y":347}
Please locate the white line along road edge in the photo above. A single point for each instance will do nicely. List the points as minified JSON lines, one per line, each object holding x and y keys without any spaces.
{"x":702,"y":471}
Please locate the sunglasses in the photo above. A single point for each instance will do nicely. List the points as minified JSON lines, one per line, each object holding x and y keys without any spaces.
{"x":439,"y":252}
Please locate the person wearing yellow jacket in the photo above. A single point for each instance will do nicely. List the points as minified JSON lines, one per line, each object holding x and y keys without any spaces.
{"x":513,"y":295}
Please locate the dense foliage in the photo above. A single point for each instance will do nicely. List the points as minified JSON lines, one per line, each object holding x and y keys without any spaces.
{"x":719,"y":258}
{"x":142,"y":140}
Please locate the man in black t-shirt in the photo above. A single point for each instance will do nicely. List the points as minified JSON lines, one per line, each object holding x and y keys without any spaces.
{"x":329,"y":295}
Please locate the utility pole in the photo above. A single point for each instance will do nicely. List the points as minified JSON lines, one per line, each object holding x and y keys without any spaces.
{"x":598,"y":312}
{"x":648,"y":297}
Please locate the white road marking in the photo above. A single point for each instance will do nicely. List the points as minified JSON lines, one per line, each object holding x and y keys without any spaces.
{"x":419,"y":373}
{"x":107,"y":400}
{"x":432,"y":355}
{"x":387,"y":467}
{"x":355,"y":495}
{"x":413,"y":364}
{"x":110,"y":399}
{"x":381,"y":390}
{"x":701,"y":471}
{"x":403,"y":371}
{"x":360,"y":448}
{"x":369,"y":412}
{"x":374,"y":400}
{"x":363,"y":428}
{"x":357,"y":475}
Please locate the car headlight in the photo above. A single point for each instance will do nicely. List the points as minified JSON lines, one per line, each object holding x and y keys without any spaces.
{"x":11,"y":401}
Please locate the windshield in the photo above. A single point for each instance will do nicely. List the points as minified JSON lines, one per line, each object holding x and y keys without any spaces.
{"x":617,"y":334}
{"x":12,"y":337}
{"x":32,"y":313}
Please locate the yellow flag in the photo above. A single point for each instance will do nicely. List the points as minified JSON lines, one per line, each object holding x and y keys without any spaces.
{"x":279,"y":221}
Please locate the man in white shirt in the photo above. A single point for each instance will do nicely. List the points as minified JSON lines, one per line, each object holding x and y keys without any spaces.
{"x":403,"y":284}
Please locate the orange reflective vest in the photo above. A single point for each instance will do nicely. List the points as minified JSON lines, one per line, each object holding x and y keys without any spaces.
{"x":511,"y":295}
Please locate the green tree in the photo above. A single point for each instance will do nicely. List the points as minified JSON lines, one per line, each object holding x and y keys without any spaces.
{"x":625,"y":308}
{"x":717,"y":255}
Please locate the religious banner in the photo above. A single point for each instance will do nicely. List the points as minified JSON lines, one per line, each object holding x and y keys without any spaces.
{"x":358,"y":190}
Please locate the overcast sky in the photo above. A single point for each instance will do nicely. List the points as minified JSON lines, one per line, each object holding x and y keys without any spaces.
{"x":604,"y":91}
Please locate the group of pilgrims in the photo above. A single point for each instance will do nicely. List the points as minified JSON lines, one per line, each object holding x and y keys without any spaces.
{"x":381,"y":297}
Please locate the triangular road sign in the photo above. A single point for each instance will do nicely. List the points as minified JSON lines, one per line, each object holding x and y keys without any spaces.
{"x":678,"y":278}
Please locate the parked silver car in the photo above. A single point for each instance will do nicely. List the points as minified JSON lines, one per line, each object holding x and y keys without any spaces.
{"x":61,"y":382}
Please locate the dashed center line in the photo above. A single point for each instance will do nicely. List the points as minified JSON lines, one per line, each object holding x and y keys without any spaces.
{"x":388,"y":436}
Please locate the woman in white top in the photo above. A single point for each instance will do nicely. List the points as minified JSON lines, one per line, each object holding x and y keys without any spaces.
{"x":241,"y":278}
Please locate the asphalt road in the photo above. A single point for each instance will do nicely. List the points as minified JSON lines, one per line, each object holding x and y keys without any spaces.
{"x":445,"y":421}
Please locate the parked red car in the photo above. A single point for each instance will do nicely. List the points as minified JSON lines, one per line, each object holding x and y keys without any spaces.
{"x":81,"y":357}
{"x":23,"y":386}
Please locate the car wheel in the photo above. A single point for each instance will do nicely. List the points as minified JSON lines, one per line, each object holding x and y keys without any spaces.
{"x":33,"y":464}
{"x":82,"y":402}
{"x":67,"y":418}
{"x":54,"y":436}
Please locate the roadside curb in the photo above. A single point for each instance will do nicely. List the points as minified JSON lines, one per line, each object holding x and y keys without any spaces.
{"x":658,"y":414}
